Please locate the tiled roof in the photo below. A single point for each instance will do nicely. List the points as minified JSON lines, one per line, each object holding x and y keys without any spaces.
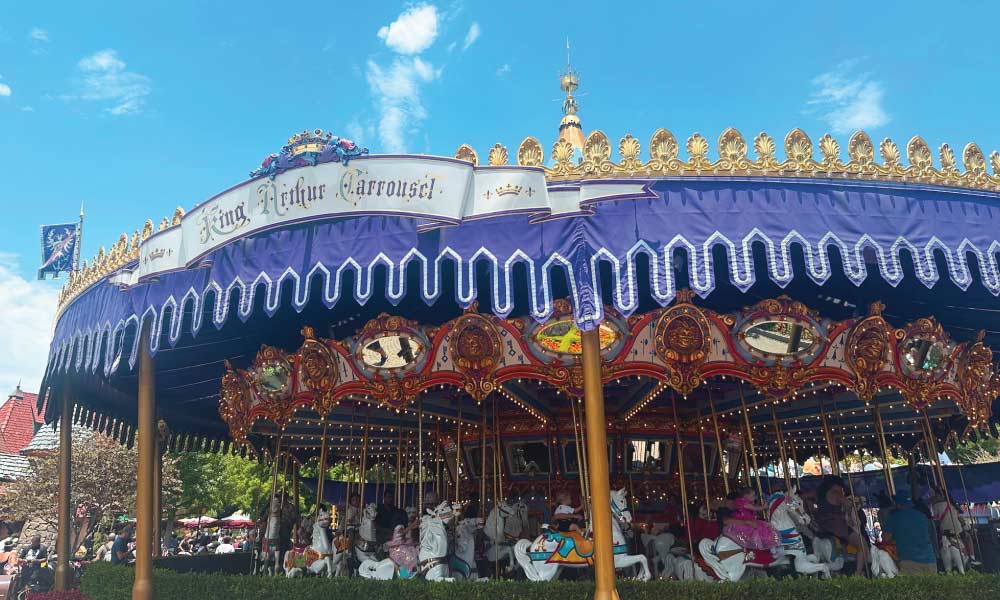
{"x":12,"y":466}
{"x":47,"y":438}
{"x":18,"y":416}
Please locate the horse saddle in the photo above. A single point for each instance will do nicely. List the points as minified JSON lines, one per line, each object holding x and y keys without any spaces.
{"x":301,"y":557}
{"x":573,"y":548}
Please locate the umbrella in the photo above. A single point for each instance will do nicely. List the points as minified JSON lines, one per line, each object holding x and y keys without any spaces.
{"x":197,"y":522}
{"x":237,"y":520}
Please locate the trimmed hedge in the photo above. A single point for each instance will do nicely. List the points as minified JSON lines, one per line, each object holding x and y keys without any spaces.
{"x":102,"y":581}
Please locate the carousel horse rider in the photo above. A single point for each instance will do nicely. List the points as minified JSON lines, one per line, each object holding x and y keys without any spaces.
{"x":389,"y":516}
{"x":913,"y":534}
{"x":832,"y":522}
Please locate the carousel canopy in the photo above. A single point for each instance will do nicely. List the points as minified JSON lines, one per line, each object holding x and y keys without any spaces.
{"x":271,"y":304}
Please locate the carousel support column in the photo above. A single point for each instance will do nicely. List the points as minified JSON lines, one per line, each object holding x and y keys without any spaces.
{"x":718,"y":440}
{"x":142,"y":589}
{"x":679,"y":443}
{"x":795,"y":461}
{"x":936,"y":456}
{"x":753,"y":453}
{"x":781,"y":449}
{"x":831,"y":445}
{"x":704,"y":463}
{"x":890,"y":485}
{"x":843,"y":439}
{"x":597,"y":456}
{"x":975,"y":530}
{"x":158,"y":489}
{"x":64,"y":575}
{"x":321,"y":473}
{"x":458,"y":452}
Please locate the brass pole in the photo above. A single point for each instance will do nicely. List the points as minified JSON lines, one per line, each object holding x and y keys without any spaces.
{"x":597,"y":457}
{"x":795,"y":461}
{"x":321,"y":475}
{"x":482,"y":460}
{"x":781,"y":449}
{"x":678,"y":442}
{"x":753,"y":453}
{"x":459,"y":460}
{"x":831,"y":445}
{"x":704,"y":462}
{"x":583,"y":440}
{"x":975,"y":530}
{"x":399,"y":468}
{"x":142,"y":588}
{"x":935,"y":456}
{"x":577,"y":441}
{"x":64,"y":575}
{"x":364,"y":458}
{"x":157,"y":496}
{"x":718,"y":439}
{"x":890,"y":485}
{"x":438,"y":481}
{"x":420,"y":455}
{"x":843,"y":437}
{"x":496,"y":496}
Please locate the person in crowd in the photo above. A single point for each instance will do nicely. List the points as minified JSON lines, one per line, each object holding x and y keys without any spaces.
{"x":31,"y":559}
{"x":352,"y":516}
{"x":226,"y":547}
{"x":912,"y":533}
{"x":104,"y":551}
{"x":120,"y":553}
{"x":388,"y":517}
{"x":831,"y":520}
{"x":566,"y":516}
{"x":702,"y":524}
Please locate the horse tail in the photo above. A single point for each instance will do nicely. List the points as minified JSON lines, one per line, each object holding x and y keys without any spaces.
{"x":521,"y":555}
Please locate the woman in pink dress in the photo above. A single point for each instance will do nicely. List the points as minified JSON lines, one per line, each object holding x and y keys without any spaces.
{"x":743,"y":527}
{"x":402,"y":551}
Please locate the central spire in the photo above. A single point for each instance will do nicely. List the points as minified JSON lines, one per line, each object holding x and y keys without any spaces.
{"x":569,"y":127}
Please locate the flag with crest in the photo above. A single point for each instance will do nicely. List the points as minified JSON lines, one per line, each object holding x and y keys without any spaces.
{"x":58,"y":249}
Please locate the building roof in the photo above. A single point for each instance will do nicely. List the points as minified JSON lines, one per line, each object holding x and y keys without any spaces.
{"x":12,"y":466}
{"x":19,"y":416}
{"x":47,"y":438}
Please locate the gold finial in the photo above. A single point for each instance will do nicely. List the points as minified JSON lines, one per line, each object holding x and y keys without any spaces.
{"x":570,"y":128}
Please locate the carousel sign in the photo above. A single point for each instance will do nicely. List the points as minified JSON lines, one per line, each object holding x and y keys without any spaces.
{"x":435,"y":191}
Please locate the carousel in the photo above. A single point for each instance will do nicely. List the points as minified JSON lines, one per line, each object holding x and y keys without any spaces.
{"x":564,"y":362}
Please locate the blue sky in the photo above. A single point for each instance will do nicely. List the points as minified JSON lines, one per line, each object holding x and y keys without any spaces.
{"x":133,"y":108}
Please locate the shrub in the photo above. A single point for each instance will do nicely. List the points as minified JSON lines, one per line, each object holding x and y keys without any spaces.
{"x":105,"y":582}
{"x":70,"y":595}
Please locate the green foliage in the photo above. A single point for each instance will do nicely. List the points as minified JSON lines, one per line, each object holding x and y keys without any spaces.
{"x":104,"y":582}
{"x":219,"y":484}
{"x":983,"y":450}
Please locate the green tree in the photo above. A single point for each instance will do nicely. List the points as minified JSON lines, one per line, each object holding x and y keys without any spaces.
{"x":984,"y":450}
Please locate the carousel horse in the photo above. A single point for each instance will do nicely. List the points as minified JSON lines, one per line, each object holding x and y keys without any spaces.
{"x":322,"y":555}
{"x":789,"y":519}
{"x":432,"y":555}
{"x":499,"y":546}
{"x":367,"y":546}
{"x":269,"y":556}
{"x":661,"y":559}
{"x":950,"y":526}
{"x":517,"y":524}
{"x":729,"y":561}
{"x":952,"y":554}
{"x":544,"y":558}
{"x":463,"y":561}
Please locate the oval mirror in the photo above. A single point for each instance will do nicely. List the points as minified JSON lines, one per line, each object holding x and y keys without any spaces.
{"x":780,"y":337}
{"x":391,"y":351}
{"x":922,"y":356}
{"x":274,"y":378}
{"x":563,"y":337}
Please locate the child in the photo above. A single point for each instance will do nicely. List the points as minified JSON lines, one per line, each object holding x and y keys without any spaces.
{"x":744,"y":528}
{"x":566,"y":517}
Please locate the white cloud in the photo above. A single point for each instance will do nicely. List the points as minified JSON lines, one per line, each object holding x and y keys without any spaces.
{"x":5,"y":90}
{"x":503,"y":70}
{"x":471,"y":36}
{"x":25,"y":326}
{"x":397,"y":90}
{"x":847,"y":101}
{"x":413,"y":31}
{"x":103,"y":78}
{"x":27,"y":108}
{"x":39,"y":35}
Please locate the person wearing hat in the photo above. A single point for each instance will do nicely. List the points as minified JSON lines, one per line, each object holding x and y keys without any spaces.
{"x":911,"y":531}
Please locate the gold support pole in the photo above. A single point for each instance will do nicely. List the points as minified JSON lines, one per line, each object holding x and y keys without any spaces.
{"x":975,"y":530}
{"x":364,"y":461}
{"x":586,"y":463}
{"x":704,"y":462}
{"x":64,"y":575}
{"x":420,"y":455}
{"x":482,"y":461}
{"x":597,"y":457}
{"x":399,"y":468}
{"x":718,"y":440}
{"x":890,"y":485}
{"x":753,"y":453}
{"x":831,"y":445}
{"x":679,"y":443}
{"x":795,"y":461}
{"x":781,"y":449}
{"x":578,"y":442}
{"x":843,"y":438}
{"x":142,"y":588}
{"x":935,"y":455}
{"x":459,"y":459}
{"x":438,"y":482}
{"x":496,"y":473}
{"x":321,"y":474}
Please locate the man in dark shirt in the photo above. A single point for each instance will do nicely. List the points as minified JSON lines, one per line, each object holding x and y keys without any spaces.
{"x":119,"y":550}
{"x":388,"y":517}
{"x":31,"y":559}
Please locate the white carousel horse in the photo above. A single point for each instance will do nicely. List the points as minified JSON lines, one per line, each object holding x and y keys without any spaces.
{"x":321,"y":556}
{"x":952,"y":554}
{"x":463,"y":561}
{"x":881,"y":563}
{"x":433,"y":554}
{"x":789,"y":519}
{"x":516,"y":525}
{"x":543,"y":558}
{"x":367,"y":547}
{"x":498,"y":545}
{"x":661,"y":559}
{"x":270,"y":544}
{"x":729,"y":561}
